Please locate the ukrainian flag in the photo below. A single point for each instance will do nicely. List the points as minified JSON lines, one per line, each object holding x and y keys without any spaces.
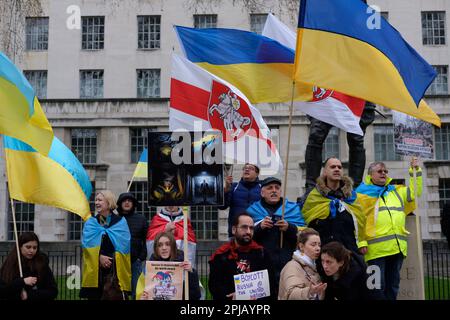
{"x":260,"y":67}
{"x":119,"y":234}
{"x":141,"y":170}
{"x":339,"y":49}
{"x":21,"y":115}
{"x":58,"y":180}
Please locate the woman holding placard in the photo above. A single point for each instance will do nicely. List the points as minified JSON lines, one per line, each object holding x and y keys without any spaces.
{"x":165,"y":249}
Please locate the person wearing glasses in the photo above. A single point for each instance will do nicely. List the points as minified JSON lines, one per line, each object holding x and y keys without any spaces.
{"x":240,"y":255}
{"x":240,"y":195}
{"x":386,"y":207}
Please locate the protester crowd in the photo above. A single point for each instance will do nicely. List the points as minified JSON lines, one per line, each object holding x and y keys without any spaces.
{"x":316,"y":248}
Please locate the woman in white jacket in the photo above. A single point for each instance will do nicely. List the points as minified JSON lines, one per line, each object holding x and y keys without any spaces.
{"x":299,"y":278}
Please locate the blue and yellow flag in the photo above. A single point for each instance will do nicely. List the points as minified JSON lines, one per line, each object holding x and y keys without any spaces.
{"x":21,"y":115}
{"x":119,"y":234}
{"x":141,"y":170}
{"x":58,"y":180}
{"x":339,"y":49}
{"x":261,"y":68}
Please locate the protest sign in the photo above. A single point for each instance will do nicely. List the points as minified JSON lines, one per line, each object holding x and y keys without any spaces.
{"x":252,"y":285}
{"x":412,"y":137}
{"x":164,"y":280}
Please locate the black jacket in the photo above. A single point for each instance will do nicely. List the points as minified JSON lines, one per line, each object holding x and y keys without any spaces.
{"x":352,"y":285}
{"x":138,"y":228}
{"x":240,"y":196}
{"x":222,"y":271}
{"x":45,"y":288}
{"x":341,"y":228}
{"x":194,"y":287}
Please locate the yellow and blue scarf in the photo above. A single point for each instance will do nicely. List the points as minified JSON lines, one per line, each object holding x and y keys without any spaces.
{"x":119,"y":234}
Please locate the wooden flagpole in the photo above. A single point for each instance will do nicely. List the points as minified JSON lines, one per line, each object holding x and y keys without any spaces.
{"x":419,"y":240}
{"x":16,"y":238}
{"x":286,"y":161}
{"x":185,"y":248}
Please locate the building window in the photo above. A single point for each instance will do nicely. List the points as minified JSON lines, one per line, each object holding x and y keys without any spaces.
{"x":442,"y":140}
{"x":205,"y":222}
{"x":84,"y":145}
{"x":257,"y":22}
{"x":444,"y":192}
{"x":36,"y":33}
{"x":331,"y":144}
{"x":38,"y":80}
{"x":440,"y":83}
{"x":138,"y":142}
{"x":384,"y":144}
{"x":91,"y":84}
{"x":205,"y":21}
{"x":24,"y":218}
{"x":433,"y":27}
{"x":149,"y":32}
{"x":139,"y":189}
{"x":75,"y":221}
{"x":148,"y":83}
{"x":93,"y":33}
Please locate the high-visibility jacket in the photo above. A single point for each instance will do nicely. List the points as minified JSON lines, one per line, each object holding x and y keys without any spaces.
{"x":386,"y":209}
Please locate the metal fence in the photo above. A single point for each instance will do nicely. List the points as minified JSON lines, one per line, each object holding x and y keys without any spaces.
{"x":66,"y":266}
{"x":437,"y":270}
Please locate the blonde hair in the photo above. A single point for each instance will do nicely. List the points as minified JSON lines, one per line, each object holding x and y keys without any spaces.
{"x":110,"y":198}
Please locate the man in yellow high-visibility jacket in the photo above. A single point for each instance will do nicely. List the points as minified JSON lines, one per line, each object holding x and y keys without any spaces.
{"x":386,"y":207}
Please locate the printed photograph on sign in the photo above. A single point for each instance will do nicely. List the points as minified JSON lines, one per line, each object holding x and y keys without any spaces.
{"x":164,"y":280}
{"x":412,"y":137}
{"x":185,"y":168}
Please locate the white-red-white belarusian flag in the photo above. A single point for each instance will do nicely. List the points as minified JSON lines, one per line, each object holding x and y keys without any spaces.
{"x":201,"y":101}
{"x":337,"y":109}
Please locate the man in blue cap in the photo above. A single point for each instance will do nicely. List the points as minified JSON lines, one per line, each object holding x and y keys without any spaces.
{"x":270,"y":224}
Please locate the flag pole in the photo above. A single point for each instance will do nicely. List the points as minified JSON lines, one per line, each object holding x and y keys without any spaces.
{"x":286,"y":161}
{"x":419,"y":239}
{"x":16,"y":237}
{"x":185,"y":248}
{"x":129,"y":185}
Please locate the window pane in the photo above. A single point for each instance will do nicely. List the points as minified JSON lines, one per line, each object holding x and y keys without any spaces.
{"x":148,"y":83}
{"x":384,"y":144}
{"x":84,"y":145}
{"x":444,"y":192}
{"x":440,"y":83}
{"x":75,"y":226}
{"x":24,"y":218}
{"x":257,"y":22}
{"x":38,"y":80}
{"x":93,"y":33}
{"x":205,"y":222}
{"x":36,"y":33}
{"x":331,"y":145}
{"x":433,"y":28}
{"x":205,"y":21}
{"x":138,"y":142}
{"x":149,"y":32}
{"x":91,"y":84}
{"x":140,"y":191}
{"x":442,"y":142}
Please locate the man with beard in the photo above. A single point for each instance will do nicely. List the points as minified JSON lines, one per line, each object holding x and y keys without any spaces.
{"x":241,"y":255}
{"x":269,"y":224}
